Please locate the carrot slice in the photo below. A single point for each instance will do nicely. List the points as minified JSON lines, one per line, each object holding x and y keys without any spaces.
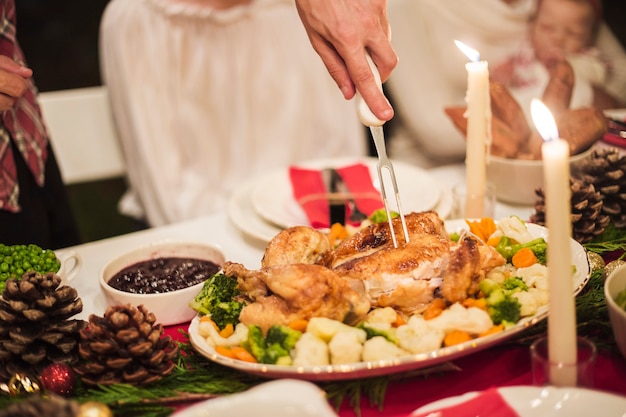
{"x":227,"y":331}
{"x":242,"y":354}
{"x":225,"y":351}
{"x":434,"y":309}
{"x":299,"y":325}
{"x":456,"y":337}
{"x":523,"y":258}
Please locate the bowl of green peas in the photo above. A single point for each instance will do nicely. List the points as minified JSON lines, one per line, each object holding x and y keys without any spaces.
{"x":615,"y":294}
{"x":16,"y":260}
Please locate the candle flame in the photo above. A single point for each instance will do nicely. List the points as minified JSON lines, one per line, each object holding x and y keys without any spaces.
{"x":470,"y":53}
{"x":543,"y":120}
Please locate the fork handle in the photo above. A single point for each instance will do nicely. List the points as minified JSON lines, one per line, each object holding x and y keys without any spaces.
{"x":365,"y":114}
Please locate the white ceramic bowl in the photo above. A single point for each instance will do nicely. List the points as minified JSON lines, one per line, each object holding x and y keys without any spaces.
{"x":169,"y":307}
{"x":515,"y":180}
{"x":615,"y":283}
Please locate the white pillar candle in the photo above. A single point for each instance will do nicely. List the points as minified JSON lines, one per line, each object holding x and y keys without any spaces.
{"x":561,"y":310}
{"x":478,"y":132}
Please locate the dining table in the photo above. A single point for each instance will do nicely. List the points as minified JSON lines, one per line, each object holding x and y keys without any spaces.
{"x":501,"y":365}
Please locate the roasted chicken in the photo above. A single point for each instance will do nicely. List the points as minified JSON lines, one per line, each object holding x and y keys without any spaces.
{"x":282,"y":294}
{"x":301,"y":277}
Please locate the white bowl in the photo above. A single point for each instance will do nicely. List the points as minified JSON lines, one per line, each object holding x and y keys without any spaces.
{"x":515,"y":180}
{"x":169,"y":307}
{"x":615,"y":283}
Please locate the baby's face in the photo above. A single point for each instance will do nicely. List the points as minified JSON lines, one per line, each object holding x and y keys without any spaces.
{"x":561,"y":27}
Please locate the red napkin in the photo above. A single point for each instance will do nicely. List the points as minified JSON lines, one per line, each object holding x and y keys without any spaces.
{"x":488,"y":403}
{"x":310,"y":192}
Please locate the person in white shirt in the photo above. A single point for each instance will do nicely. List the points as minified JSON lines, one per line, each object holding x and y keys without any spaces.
{"x":208,"y":94}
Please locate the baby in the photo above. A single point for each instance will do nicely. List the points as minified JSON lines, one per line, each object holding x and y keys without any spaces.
{"x":560,"y":30}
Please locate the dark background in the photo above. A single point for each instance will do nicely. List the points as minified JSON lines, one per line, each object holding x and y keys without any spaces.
{"x":60,"y":38}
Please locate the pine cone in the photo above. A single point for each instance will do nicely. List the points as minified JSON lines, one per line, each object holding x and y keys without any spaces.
{"x":588,"y":220}
{"x":125,"y":346}
{"x":35,"y":329}
{"x":38,"y":406}
{"x":606,"y":170}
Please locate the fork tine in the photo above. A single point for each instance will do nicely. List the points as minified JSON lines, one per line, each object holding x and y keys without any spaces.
{"x":384,"y":162}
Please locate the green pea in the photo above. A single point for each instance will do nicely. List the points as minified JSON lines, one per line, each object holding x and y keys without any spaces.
{"x":4,"y":267}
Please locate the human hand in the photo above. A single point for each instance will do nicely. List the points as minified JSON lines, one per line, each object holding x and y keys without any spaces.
{"x":342,"y":32}
{"x":13,"y":82}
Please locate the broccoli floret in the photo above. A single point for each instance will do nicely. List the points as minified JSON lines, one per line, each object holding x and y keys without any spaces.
{"x":217,"y":300}
{"x":507,"y":249}
{"x":255,"y":344}
{"x":373,"y":331}
{"x":503,"y":307}
{"x":284,"y":336}
{"x":514,"y":284}
{"x":487,"y":286}
{"x":380,"y":216}
{"x":274,"y":347}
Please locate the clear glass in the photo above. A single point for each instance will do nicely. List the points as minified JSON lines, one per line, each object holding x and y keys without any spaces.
{"x":542,"y":367}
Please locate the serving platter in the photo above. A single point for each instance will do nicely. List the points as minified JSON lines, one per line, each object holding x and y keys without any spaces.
{"x":405,"y":363}
{"x":272,"y":197}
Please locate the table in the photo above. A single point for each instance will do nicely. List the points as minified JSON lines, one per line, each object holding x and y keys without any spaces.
{"x":503,"y":365}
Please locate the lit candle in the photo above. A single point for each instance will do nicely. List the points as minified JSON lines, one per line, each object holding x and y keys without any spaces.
{"x":478,"y":131}
{"x":562,"y":311}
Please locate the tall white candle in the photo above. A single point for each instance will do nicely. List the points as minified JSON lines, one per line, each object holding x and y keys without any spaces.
{"x":562,"y":311}
{"x":478,"y":132}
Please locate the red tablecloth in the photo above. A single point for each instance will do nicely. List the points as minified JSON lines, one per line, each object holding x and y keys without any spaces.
{"x":502,"y":365}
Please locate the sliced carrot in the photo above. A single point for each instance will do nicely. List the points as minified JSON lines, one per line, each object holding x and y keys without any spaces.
{"x":475,"y":302}
{"x":225,"y":351}
{"x":208,"y":319}
{"x":337,"y":232}
{"x":482,"y":228}
{"x":399,"y":321}
{"x":494,"y":329}
{"x":456,"y":337}
{"x":227,"y":331}
{"x":242,"y":354}
{"x":493,"y":241}
{"x":523,"y":258}
{"x":434,"y":309}
{"x":299,"y":325}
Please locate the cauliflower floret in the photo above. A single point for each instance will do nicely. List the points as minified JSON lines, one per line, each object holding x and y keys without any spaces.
{"x":515,"y":228}
{"x":528,"y":303}
{"x":417,"y":336}
{"x":500,"y":273}
{"x":535,"y":276}
{"x":326,"y":328}
{"x":378,"y":348}
{"x":310,"y":350}
{"x":472,"y":320}
{"x":385,"y":315}
{"x":541,"y":296}
{"x":213,"y":337}
{"x":345,"y":347}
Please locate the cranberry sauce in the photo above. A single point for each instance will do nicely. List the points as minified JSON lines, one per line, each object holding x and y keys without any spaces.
{"x":162,"y":275}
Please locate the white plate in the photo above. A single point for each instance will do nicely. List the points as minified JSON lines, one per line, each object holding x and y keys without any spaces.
{"x":530,"y":401}
{"x":272,"y":198}
{"x":406,"y":363}
{"x":245,"y":218}
{"x":618,"y":114}
{"x":280,"y":398}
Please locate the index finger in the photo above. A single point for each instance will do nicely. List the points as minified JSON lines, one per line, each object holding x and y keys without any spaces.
{"x":368,"y":83}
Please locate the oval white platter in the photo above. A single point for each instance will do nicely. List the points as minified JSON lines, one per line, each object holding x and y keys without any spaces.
{"x":406,"y":363}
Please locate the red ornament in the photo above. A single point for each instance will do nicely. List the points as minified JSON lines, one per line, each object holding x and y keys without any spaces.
{"x":58,"y":378}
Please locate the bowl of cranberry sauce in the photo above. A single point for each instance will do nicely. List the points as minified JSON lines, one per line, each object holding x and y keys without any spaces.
{"x":163,"y":276}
